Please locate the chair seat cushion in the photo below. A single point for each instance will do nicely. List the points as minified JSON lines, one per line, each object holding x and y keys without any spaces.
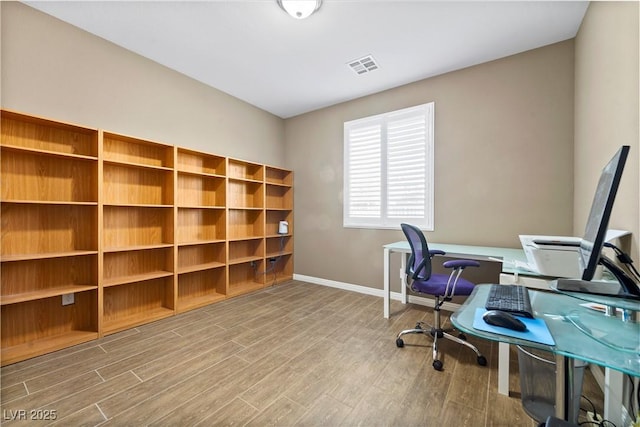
{"x":437,"y":284}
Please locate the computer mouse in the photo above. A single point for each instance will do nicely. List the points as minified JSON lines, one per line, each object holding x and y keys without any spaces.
{"x":504,"y":319}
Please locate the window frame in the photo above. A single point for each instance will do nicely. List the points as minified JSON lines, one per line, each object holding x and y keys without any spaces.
{"x":383,"y":221}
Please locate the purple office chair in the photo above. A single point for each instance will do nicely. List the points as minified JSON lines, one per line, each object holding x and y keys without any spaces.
{"x":443,"y":287}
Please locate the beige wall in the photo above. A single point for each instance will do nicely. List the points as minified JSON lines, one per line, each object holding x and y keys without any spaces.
{"x":54,"y":70}
{"x":607,"y":112}
{"x":504,"y":162}
{"x":504,"y":131}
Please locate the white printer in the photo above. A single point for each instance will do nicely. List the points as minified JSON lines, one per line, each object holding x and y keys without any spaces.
{"x":555,"y":256}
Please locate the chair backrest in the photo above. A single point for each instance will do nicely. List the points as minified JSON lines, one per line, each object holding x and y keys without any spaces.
{"x":419,"y":265}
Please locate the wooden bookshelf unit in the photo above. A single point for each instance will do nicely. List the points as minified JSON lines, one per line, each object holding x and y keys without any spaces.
{"x":102,"y":232}
{"x":49,"y":248}
{"x":201,"y":212}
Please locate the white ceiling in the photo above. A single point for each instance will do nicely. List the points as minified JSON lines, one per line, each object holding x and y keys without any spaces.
{"x":252,"y":50}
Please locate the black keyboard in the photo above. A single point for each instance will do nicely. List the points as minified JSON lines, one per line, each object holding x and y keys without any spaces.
{"x":510,"y":298}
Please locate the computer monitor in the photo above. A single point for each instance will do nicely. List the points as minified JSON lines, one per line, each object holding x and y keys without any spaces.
{"x":590,"y":253}
{"x":598,"y":219}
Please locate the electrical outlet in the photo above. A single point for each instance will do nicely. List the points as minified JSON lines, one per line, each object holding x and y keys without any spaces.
{"x":68,"y":299}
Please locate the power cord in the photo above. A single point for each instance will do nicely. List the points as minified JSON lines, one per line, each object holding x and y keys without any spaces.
{"x":624,"y":258}
{"x":273,"y":261}
{"x":601,"y":422}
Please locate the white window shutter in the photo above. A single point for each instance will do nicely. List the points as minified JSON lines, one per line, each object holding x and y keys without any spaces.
{"x":364,"y":183}
{"x":389,"y":169}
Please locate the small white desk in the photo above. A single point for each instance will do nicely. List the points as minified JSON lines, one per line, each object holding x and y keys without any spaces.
{"x":479,"y":253}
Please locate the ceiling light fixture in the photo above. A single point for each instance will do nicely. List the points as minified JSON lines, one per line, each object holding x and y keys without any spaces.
{"x":300,"y":9}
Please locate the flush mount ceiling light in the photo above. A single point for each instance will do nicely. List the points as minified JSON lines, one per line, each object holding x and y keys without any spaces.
{"x":300,"y":9}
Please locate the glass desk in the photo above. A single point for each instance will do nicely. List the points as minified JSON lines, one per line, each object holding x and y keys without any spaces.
{"x":480,"y":253}
{"x":580,"y":334}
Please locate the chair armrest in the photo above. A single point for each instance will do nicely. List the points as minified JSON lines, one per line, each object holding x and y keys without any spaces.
{"x":460,"y":263}
{"x":433,"y":252}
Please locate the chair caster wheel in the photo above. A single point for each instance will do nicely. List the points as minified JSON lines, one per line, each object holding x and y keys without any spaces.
{"x":437,"y":365}
{"x":462,"y":336}
{"x":399,"y":342}
{"x":482,"y":361}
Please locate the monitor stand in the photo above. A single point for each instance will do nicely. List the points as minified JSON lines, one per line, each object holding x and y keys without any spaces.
{"x":624,"y":286}
{"x":589,"y":287}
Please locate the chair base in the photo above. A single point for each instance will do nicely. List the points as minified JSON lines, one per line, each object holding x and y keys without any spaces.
{"x":437,"y":333}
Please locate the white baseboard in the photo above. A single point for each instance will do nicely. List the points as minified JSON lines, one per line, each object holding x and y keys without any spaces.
{"x":397,"y":296}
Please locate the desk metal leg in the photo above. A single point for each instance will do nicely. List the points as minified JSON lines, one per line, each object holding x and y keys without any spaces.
{"x":387,"y":289}
{"x":613,"y":386}
{"x":561,"y":387}
{"x":568,"y":387}
{"x":503,"y":368}
{"x":403,"y":278}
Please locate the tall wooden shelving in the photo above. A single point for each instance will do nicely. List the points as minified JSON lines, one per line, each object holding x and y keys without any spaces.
{"x":49,"y":246}
{"x":246,"y":223}
{"x":137,"y":231}
{"x":102,"y":232}
{"x":201,"y":201}
{"x":278,"y":207}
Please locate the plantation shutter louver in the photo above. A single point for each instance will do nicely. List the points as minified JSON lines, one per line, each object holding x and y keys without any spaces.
{"x":389,"y":169}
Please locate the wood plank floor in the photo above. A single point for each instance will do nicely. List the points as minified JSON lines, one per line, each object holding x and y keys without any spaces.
{"x":295,"y":354}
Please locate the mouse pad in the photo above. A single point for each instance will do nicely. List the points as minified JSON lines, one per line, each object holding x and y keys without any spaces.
{"x":537,"y":330}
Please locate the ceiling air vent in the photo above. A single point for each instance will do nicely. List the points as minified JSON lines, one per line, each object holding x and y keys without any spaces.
{"x":363,"y":65}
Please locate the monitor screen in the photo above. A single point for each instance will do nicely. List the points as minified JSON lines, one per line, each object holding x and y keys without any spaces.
{"x":598,"y":220}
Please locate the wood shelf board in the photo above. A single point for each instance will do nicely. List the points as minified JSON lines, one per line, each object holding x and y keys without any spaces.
{"x":278,"y":254}
{"x":243,"y":260}
{"x":189,"y":160}
{"x":25,"y":351}
{"x":273,"y":236}
{"x":29,"y":118}
{"x":48,"y":152}
{"x":134,"y":278}
{"x":278,"y":209}
{"x":200,"y":242}
{"x":136,"y":247}
{"x":45,"y":293}
{"x":134,"y":151}
{"x":137,"y":165}
{"x":187,"y":303}
{"x":50,"y":202}
{"x":191,"y":242}
{"x":237,"y":238}
{"x":278,"y":184}
{"x":241,"y":239}
{"x":245,"y":208}
{"x":245,"y":180}
{"x":184,"y":171}
{"x":127,"y":322}
{"x":209,"y":207}
{"x":200,"y":267}
{"x":137,"y":205}
{"x":43,"y":255}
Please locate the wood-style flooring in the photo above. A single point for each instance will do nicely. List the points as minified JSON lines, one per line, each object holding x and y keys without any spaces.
{"x":296,"y":354}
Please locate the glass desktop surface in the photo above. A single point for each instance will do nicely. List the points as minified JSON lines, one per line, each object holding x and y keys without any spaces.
{"x":617,"y":302}
{"x":579,"y":332}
